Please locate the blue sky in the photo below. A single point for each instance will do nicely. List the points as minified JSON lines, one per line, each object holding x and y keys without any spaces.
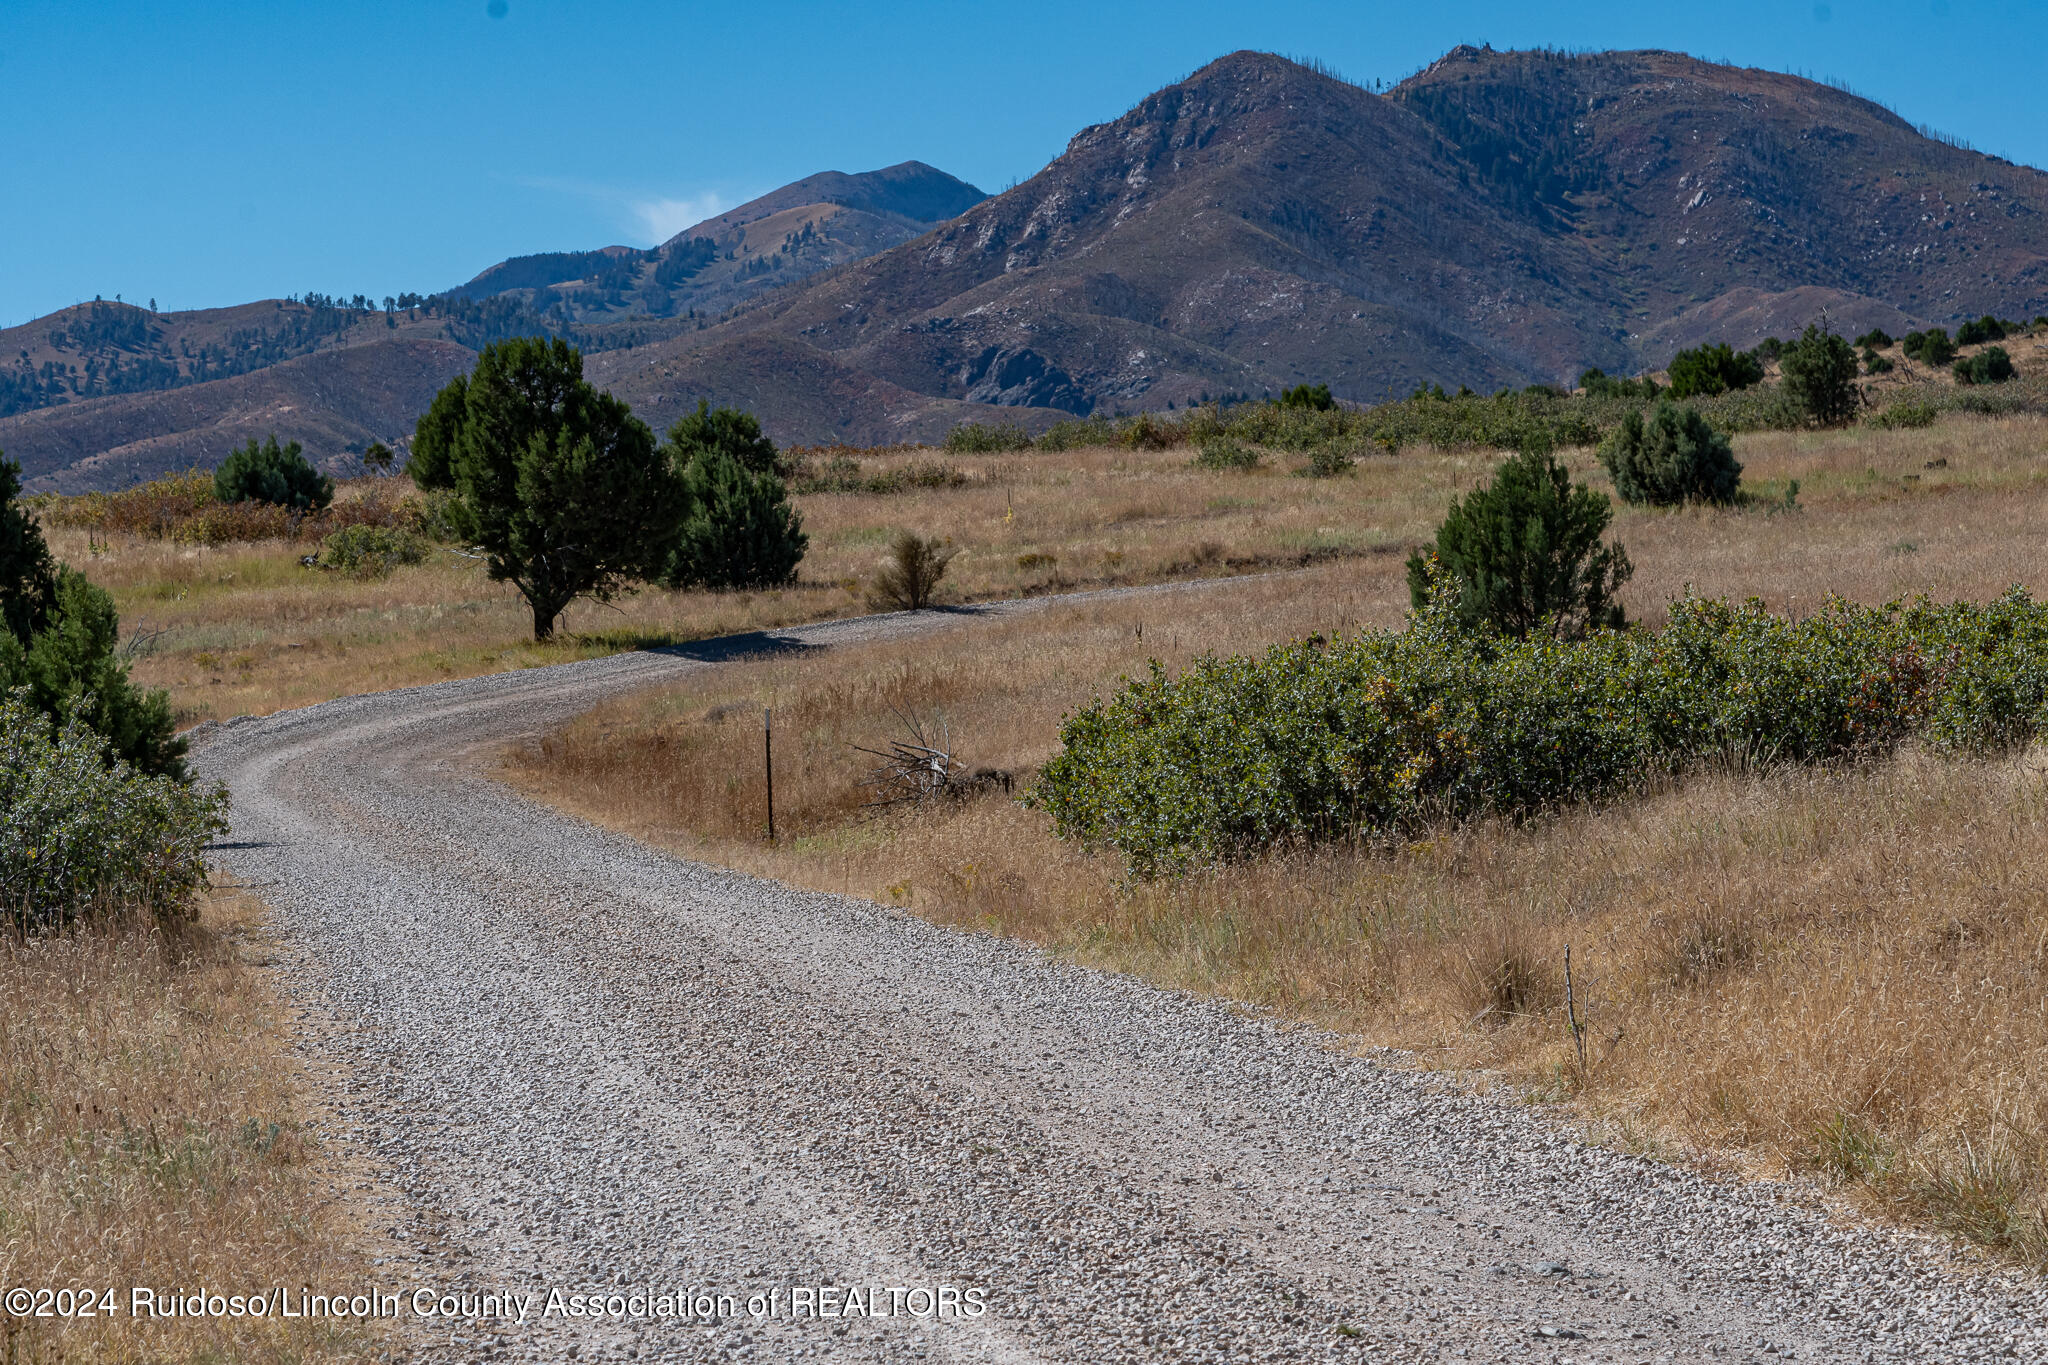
{"x":203,"y":154}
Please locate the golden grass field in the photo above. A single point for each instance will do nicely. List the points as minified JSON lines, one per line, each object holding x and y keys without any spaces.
{"x":1835,"y":973}
{"x":243,"y":628}
{"x":153,"y":1131}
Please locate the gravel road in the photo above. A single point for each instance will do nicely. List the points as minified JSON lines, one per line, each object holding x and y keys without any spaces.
{"x":598,"y":1068}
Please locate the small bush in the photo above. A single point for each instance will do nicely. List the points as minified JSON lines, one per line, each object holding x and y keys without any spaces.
{"x":1078,"y":433}
{"x":1767,"y":350}
{"x":1876,"y":339}
{"x":1931,"y":347}
{"x":1989,"y":366}
{"x":1873,"y":363}
{"x":1314,"y":397}
{"x":1147,"y":432}
{"x":1707,"y":370}
{"x":1599,"y":384}
{"x":909,"y":580}
{"x":1672,"y":458}
{"x":1820,"y":376}
{"x":1524,"y":555}
{"x":1986,"y":328}
{"x":976,"y":438}
{"x":86,"y":833}
{"x":1330,"y":460}
{"x":269,"y":473}
{"x":370,"y":551}
{"x":1907,"y":413}
{"x":1222,"y":452}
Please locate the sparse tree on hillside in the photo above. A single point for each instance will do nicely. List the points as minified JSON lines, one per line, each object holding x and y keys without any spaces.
{"x":559,"y":485}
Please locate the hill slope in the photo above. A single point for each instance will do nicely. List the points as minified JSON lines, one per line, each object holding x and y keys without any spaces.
{"x":1500,"y":218}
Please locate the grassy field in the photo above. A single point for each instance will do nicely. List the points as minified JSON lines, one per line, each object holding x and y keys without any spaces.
{"x":1838,"y":972}
{"x":153,"y":1131}
{"x":244,"y":628}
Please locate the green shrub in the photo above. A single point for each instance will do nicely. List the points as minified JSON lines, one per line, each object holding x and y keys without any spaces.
{"x":1707,"y":370}
{"x":1078,"y":433}
{"x":1385,"y":732}
{"x":1330,"y":460}
{"x":1873,"y":363}
{"x":70,"y":668}
{"x":1820,"y":376}
{"x":1672,"y":458}
{"x":1224,"y":452}
{"x":1149,"y":432}
{"x":86,"y":833}
{"x":1316,"y":397}
{"x":1989,"y":366}
{"x":1931,"y":347}
{"x":976,"y":438}
{"x":1767,"y":350}
{"x":273,"y":474}
{"x":1876,"y":339}
{"x":1907,"y":412}
{"x":370,"y":551}
{"x":1986,"y":328}
{"x":741,"y":531}
{"x":725,"y":431}
{"x":28,"y":576}
{"x":1524,"y":555}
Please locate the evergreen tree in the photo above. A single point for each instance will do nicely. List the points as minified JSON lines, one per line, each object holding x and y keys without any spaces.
{"x":1707,"y":370}
{"x":1525,"y":553}
{"x":270,"y":473}
{"x":28,"y":577}
{"x":1674,"y":457}
{"x":558,"y":484}
{"x":741,"y":531}
{"x":727,"y":431}
{"x":1820,"y":376}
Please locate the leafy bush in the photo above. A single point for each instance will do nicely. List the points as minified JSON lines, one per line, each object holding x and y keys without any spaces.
{"x":1989,"y":366}
{"x":86,"y":833}
{"x":1524,"y":555}
{"x":1330,"y":460}
{"x":1707,"y":370}
{"x":371,"y":551}
{"x":1316,"y":397}
{"x":1876,"y":339}
{"x":269,"y":473}
{"x":1384,"y":732}
{"x":1986,"y":328}
{"x":741,"y":531}
{"x":1767,"y":350}
{"x":1148,"y":432}
{"x":28,"y":576}
{"x":1224,"y":452}
{"x":1873,"y":363}
{"x":975,"y":438}
{"x":1672,"y":458}
{"x":1906,"y":413}
{"x":1820,"y":376}
{"x":1931,"y":347}
{"x":1599,"y":384}
{"x":1078,"y":433}
{"x":909,"y":581}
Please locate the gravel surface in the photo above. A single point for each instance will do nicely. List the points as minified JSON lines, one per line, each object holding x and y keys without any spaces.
{"x":598,"y":1068}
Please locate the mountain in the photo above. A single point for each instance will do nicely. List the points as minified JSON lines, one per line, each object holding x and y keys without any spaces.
{"x":784,"y":236}
{"x":1499,"y":218}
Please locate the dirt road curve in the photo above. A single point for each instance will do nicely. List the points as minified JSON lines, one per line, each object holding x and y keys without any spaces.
{"x":595,"y":1067}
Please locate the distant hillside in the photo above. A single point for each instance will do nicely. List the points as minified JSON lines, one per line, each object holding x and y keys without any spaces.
{"x":1500,"y":218}
{"x":784,"y":236}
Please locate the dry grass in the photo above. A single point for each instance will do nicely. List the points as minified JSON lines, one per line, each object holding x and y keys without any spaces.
{"x":242,"y":628}
{"x":153,"y":1132}
{"x":1839,"y":973}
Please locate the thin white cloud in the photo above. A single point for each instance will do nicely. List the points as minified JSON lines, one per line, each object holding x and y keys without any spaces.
{"x":661,"y":219}
{"x":651,"y":219}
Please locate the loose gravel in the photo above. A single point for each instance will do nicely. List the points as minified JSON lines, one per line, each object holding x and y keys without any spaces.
{"x":596,"y":1067}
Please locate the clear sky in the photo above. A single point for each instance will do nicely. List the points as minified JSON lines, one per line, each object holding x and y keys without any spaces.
{"x":210,"y":153}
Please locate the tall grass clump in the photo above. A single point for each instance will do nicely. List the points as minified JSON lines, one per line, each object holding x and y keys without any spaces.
{"x":86,"y":833}
{"x":1379,"y":734}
